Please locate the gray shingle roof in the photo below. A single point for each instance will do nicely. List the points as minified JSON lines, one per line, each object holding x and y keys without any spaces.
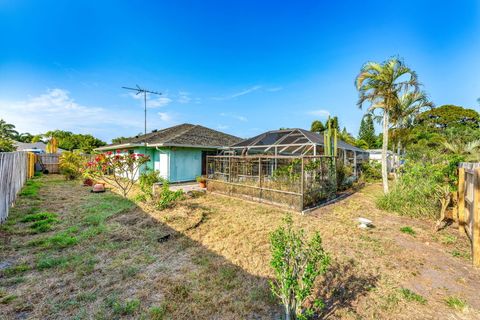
{"x":270,"y":137}
{"x":181,"y":135}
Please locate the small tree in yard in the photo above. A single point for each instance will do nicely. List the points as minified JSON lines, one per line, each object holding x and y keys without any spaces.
{"x":296,"y":263}
{"x":119,"y":170}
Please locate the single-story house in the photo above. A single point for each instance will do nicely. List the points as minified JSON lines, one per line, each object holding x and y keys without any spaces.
{"x":35,"y":147}
{"x":393,"y":160}
{"x":179,"y":153}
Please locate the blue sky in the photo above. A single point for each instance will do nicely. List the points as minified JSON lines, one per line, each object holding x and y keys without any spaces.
{"x":242,"y":67}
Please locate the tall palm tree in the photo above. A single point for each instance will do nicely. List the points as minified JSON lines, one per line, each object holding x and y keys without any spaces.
{"x":7,"y":130}
{"x":380,"y":85}
{"x":409,"y":105}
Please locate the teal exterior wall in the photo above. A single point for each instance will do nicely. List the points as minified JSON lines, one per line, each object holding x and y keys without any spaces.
{"x":185,"y":164}
{"x":174,"y":163}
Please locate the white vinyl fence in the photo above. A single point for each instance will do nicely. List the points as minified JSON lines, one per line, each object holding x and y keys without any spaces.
{"x":13,"y":174}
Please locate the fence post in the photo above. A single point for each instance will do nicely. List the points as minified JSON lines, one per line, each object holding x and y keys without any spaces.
{"x":461,"y":199}
{"x":476,"y":219}
{"x":302,"y":186}
{"x":260,"y":176}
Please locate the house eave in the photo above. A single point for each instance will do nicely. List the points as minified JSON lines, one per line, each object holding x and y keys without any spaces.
{"x":119,"y":146}
{"x":183,"y":146}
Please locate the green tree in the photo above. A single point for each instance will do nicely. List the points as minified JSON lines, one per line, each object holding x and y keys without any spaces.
{"x":367,"y":131}
{"x":449,"y":116}
{"x":346,"y":136}
{"x":408,"y":107}
{"x":380,"y":85}
{"x":71,"y":141}
{"x":7,"y":130}
{"x":317,"y":126}
{"x":6,"y":145}
{"x":119,"y":140}
{"x":24,"y":137}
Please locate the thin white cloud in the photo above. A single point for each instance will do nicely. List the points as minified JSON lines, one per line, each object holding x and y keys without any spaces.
{"x":56,"y":109}
{"x":184,"y":97}
{"x":153,"y":101}
{"x":273,"y":89}
{"x":234,"y":116}
{"x":222,"y":127}
{"x":319,"y":113}
{"x":165,"y":116}
{"x":238,"y":94}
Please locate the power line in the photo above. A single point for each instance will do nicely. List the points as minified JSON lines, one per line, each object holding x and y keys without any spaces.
{"x":144,"y":91}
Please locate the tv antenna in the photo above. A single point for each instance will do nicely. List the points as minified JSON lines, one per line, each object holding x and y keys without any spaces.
{"x":144,"y":91}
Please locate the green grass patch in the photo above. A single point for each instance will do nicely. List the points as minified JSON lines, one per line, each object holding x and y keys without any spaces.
{"x":408,"y":230}
{"x":41,"y":222}
{"x":123,"y":308}
{"x":7,"y":299}
{"x":31,"y":188}
{"x":86,"y":297}
{"x":62,"y":240}
{"x":43,"y":225}
{"x":448,"y":239}
{"x":16,"y":270}
{"x":158,"y":313}
{"x":460,"y":254}
{"x":100,"y":207}
{"x":48,"y":262}
{"x":39,"y":216}
{"x":409,"y":295}
{"x":456,"y":303}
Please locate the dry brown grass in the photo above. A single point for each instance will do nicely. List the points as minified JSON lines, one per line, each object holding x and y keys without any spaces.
{"x":208,"y":258}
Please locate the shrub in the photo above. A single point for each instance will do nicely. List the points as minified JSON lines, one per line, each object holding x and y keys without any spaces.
{"x":371,"y":171}
{"x":147,"y":180}
{"x":343,"y":174}
{"x":296,"y":264}
{"x":166,"y":197}
{"x":415,"y":193}
{"x":71,"y":165}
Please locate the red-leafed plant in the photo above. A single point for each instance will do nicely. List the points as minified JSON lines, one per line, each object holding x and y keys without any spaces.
{"x":120,"y":169}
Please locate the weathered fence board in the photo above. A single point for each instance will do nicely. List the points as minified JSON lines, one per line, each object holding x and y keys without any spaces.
{"x":50,"y":162}
{"x":469,"y":205}
{"x":14,"y":171}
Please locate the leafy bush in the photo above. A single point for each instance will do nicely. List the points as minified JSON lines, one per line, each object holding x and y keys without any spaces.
{"x":343,"y":174}
{"x":71,"y":165}
{"x":147,"y":180}
{"x":372,"y":171}
{"x":416,"y":193}
{"x":296,"y":265}
{"x":167,"y":198}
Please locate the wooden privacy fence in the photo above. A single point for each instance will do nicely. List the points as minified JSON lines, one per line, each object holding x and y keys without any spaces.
{"x":50,"y":162}
{"x":469,"y":205}
{"x":15,"y":168}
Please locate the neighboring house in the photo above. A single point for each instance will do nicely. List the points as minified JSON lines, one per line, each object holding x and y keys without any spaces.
{"x":179,"y":152}
{"x":35,"y":147}
{"x":392,"y":158}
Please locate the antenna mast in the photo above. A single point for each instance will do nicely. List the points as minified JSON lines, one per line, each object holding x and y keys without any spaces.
{"x":139,"y":90}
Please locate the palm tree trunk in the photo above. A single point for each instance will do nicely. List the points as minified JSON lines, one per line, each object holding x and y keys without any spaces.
{"x":384,"y":152}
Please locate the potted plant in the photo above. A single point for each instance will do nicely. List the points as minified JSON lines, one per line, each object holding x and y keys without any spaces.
{"x":202,"y":181}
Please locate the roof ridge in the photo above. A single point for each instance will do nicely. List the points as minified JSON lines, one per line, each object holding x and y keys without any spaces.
{"x":183,"y":132}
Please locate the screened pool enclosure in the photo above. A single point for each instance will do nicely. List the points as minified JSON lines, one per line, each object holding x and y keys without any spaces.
{"x":282,"y":167}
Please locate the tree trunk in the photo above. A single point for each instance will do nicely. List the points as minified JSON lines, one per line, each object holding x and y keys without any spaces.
{"x":384,"y":152}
